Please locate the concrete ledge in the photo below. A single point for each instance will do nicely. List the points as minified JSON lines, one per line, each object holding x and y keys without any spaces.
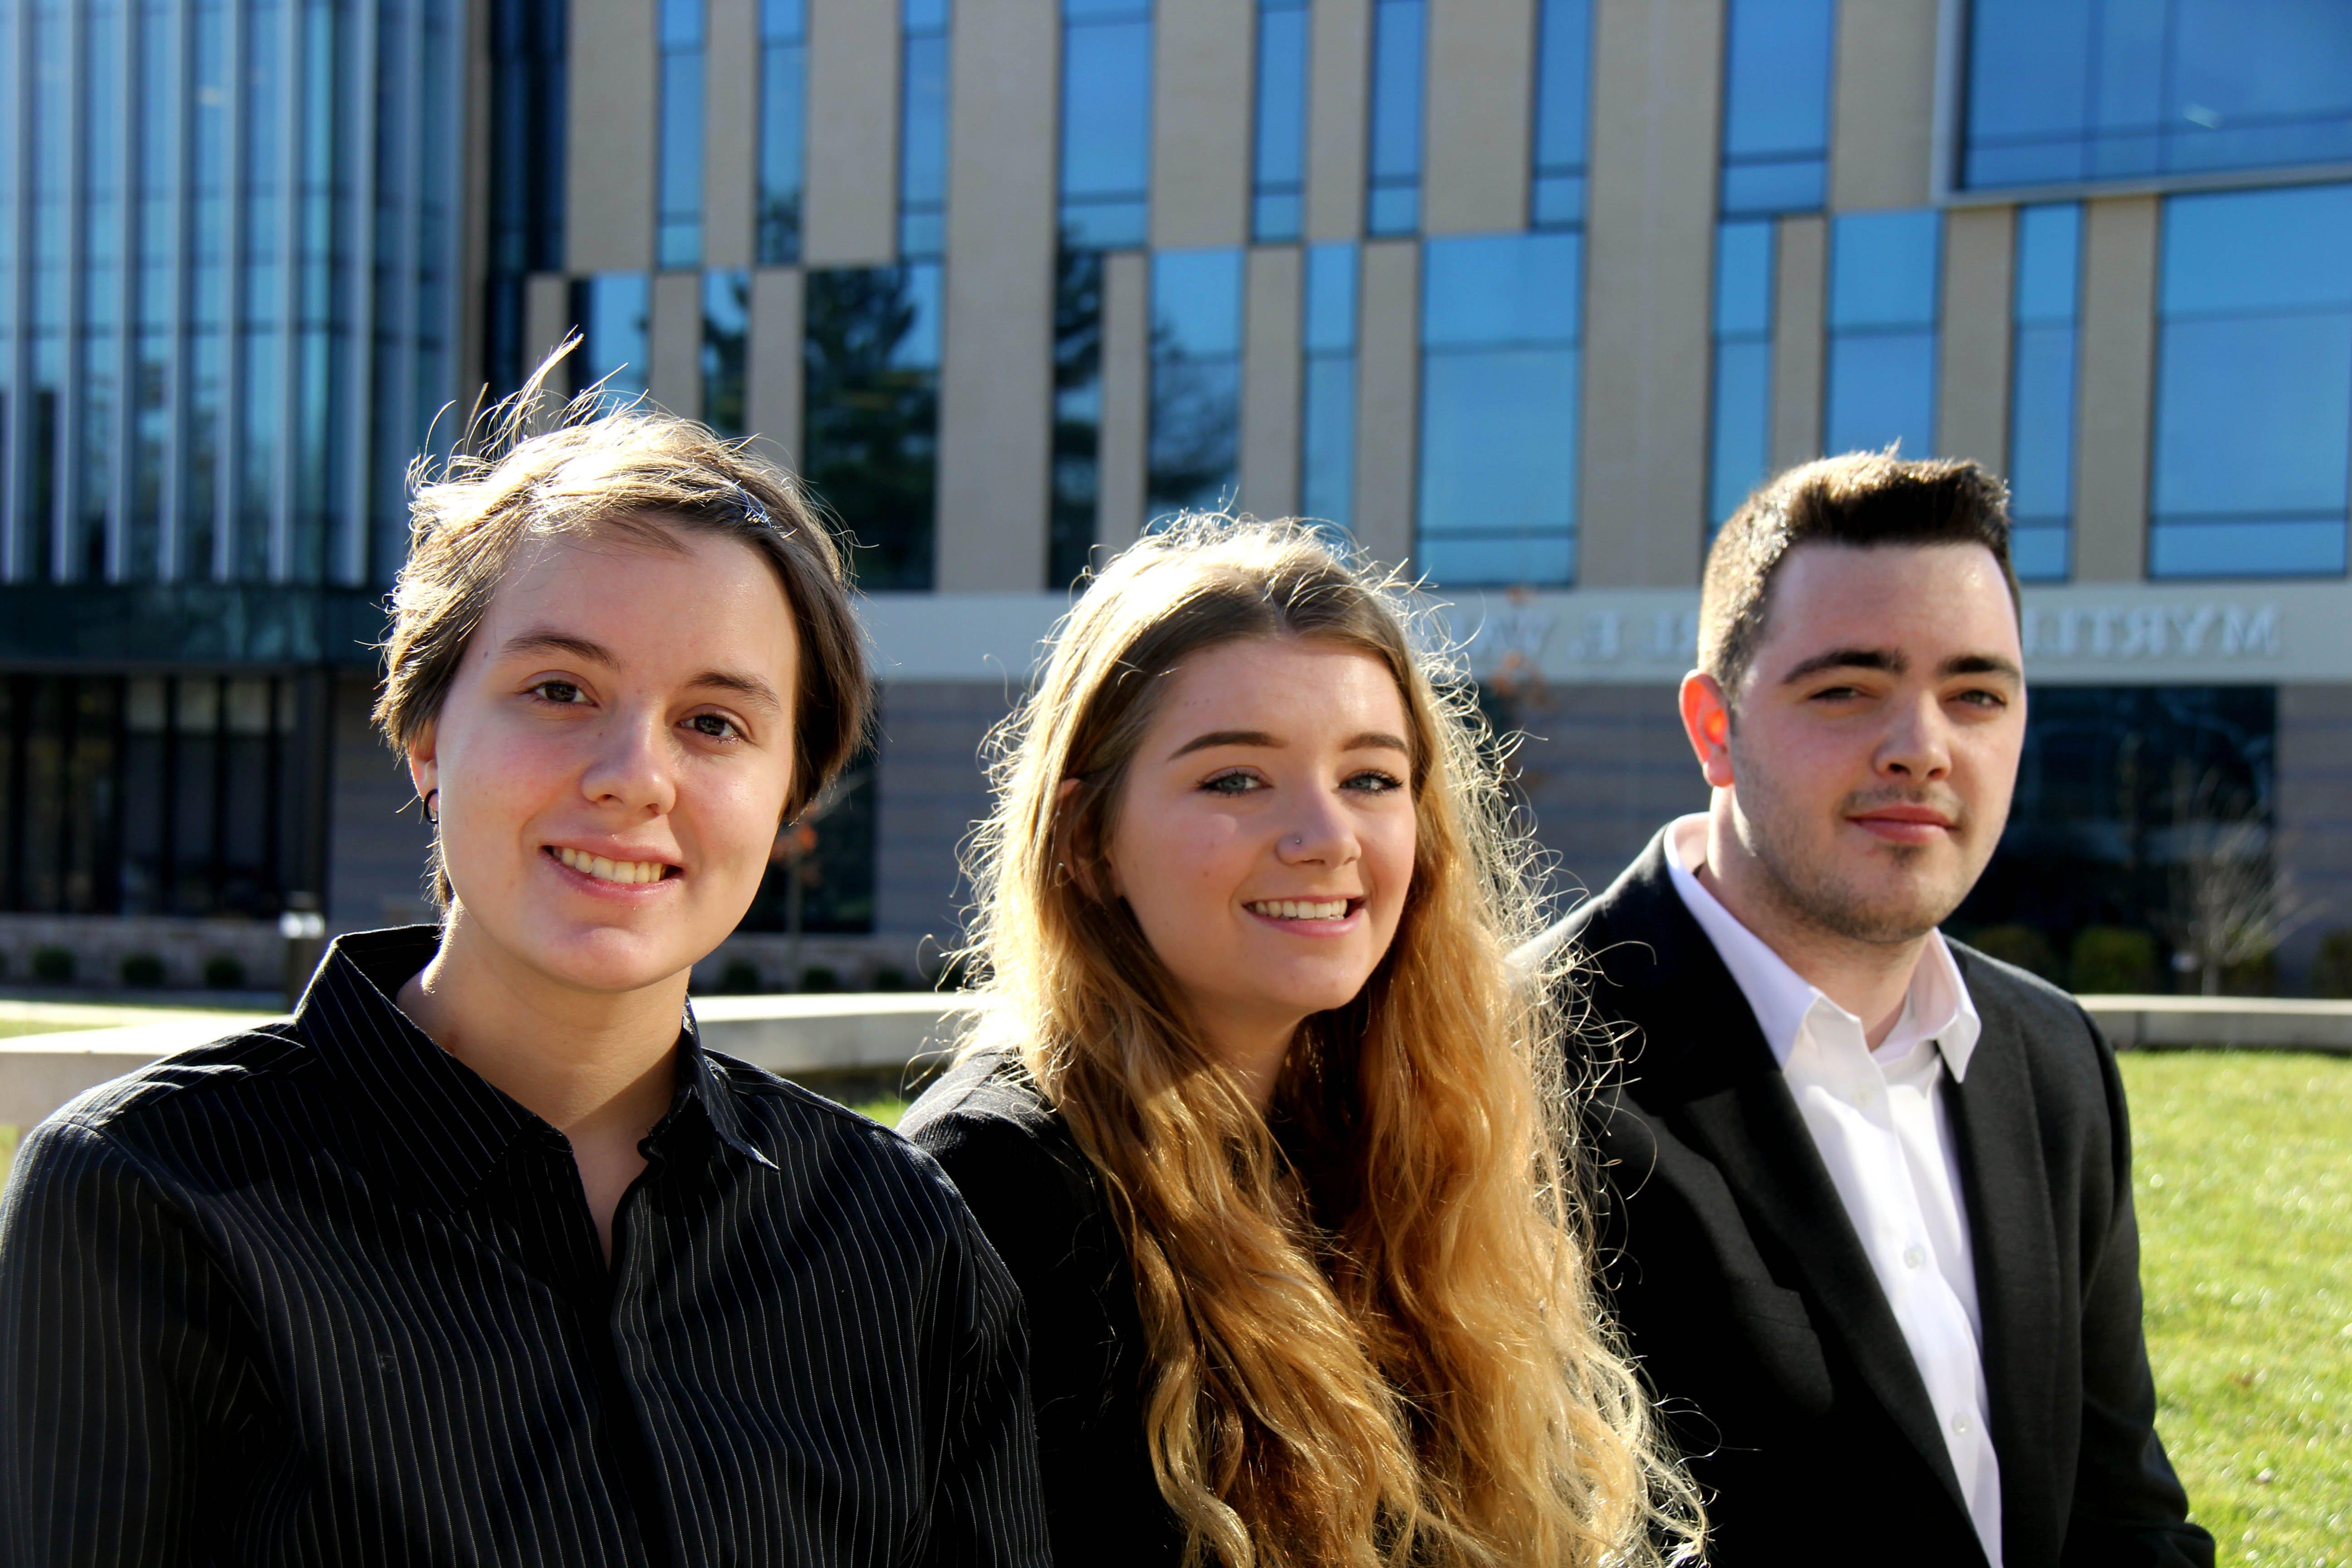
{"x":884,"y":1032}
{"x":2229,"y":1023}
{"x":788,"y":1035}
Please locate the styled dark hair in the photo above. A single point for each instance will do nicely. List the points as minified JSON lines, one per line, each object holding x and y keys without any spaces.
{"x":1862,"y":501}
{"x":636,"y":473}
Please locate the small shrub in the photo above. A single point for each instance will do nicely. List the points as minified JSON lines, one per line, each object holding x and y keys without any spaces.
{"x":740,"y":974}
{"x":224,"y":972}
{"x":53,"y":965}
{"x":2254,"y":977}
{"x":2331,"y":966}
{"x":887,"y":977}
{"x":817,"y":977}
{"x":2111,"y":960}
{"x":142,"y":970}
{"x":2023,"y":946}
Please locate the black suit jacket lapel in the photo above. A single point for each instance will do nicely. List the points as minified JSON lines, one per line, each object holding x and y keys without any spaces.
{"x":1700,"y":1065}
{"x":2004,"y":1173}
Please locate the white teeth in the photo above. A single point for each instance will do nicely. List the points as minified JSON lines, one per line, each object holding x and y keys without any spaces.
{"x":1302,"y":908}
{"x":623,"y":872}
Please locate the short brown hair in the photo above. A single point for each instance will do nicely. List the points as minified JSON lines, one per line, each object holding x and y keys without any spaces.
{"x":637,"y":472}
{"x":1861,"y":500}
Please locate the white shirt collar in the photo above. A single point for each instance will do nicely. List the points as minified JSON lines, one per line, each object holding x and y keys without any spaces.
{"x":1937,"y":1007}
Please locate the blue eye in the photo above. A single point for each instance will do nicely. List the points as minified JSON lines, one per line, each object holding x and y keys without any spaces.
{"x":1231,"y":784}
{"x":1372,"y":781}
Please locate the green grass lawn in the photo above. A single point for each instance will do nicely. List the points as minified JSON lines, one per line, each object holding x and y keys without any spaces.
{"x":2243,"y":1168}
{"x":2244,"y":1174}
{"x":12,"y":1026}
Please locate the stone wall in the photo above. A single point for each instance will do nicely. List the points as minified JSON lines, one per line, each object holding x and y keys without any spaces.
{"x":100,"y":942}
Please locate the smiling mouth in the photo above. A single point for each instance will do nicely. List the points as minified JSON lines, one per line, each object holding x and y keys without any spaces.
{"x":1302,"y":909}
{"x":624,"y":872}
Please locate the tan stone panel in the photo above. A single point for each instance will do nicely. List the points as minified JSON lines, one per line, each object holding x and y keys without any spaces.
{"x":773,"y":374}
{"x":853,"y":133}
{"x":674,"y":378}
{"x":1271,"y":376}
{"x":2115,"y":396}
{"x":1387,"y":399}
{"x":996,"y":382}
{"x":1972,"y":359}
{"x":1641,"y":516}
{"x":610,"y":144}
{"x":1202,"y":53}
{"x":546,"y":320}
{"x":1338,"y":94}
{"x":1480,"y":125}
{"x":1125,"y":452}
{"x":1800,"y":328}
{"x":730,"y":132}
{"x":1883,"y":112}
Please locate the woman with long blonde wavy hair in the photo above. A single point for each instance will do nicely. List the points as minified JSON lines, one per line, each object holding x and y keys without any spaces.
{"x":1257,"y":1111}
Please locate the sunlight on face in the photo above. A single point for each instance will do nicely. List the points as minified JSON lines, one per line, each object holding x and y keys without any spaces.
{"x":1264,"y":836}
{"x":613,"y":755}
{"x":1875,"y":742}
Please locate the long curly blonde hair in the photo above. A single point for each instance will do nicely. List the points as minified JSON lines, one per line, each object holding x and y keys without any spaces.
{"x":1371,"y":1333}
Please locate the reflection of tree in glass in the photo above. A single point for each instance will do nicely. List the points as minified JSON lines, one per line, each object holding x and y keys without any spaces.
{"x":820,"y":874}
{"x":780,"y":228}
{"x":872,"y":421}
{"x":1077,"y":408}
{"x":1195,"y":427}
{"x":726,"y":339}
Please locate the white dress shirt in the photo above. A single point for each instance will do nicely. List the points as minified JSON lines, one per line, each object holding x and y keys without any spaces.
{"x":1883,"y":1130}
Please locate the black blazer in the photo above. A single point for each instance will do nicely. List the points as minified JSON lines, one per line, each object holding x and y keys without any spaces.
{"x":1744,"y":1290}
{"x":1041,"y":1203}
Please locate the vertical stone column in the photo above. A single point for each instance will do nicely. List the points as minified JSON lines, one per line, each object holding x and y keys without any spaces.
{"x":1972,"y":355}
{"x":1480,"y":125}
{"x":1272,"y":377}
{"x":2114,"y":391}
{"x":1657,"y":71}
{"x":1202,"y":52}
{"x":1882,"y":107}
{"x":1387,"y":399}
{"x":1799,"y":322}
{"x":996,"y":388}
{"x":853,"y":125}
{"x":1338,"y":97}
{"x":674,"y":376}
{"x":612,"y":137}
{"x":730,"y":132}
{"x":1123,"y":466}
{"x":772,"y":373}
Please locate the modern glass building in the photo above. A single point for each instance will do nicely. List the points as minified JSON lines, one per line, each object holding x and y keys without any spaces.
{"x":1523,"y":301}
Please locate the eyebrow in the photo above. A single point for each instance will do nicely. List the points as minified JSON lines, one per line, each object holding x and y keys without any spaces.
{"x":1370,"y":740}
{"x":547,"y":640}
{"x":1891,"y":662}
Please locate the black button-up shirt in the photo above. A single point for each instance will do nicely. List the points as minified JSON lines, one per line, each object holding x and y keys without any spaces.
{"x":319,"y":1294}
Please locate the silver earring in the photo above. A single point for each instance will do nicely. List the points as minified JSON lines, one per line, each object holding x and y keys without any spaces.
{"x":432,"y":817}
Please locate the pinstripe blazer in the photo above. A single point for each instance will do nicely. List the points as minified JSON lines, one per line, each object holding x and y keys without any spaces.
{"x":321,"y":1294}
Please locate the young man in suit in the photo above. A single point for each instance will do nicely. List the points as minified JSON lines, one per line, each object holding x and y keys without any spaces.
{"x":1871,"y":1190}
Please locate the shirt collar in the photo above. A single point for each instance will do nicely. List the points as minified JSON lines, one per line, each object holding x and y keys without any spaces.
{"x":1937,"y":1007}
{"x":441,"y":1120}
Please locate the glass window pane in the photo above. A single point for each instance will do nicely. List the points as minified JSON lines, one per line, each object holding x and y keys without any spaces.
{"x":1393,"y":161}
{"x":677,"y":234}
{"x":1883,"y":269}
{"x":612,"y":310}
{"x":1328,"y":412}
{"x":1196,"y":380}
{"x":1279,"y":168}
{"x":1881,"y":392}
{"x":2259,"y":250}
{"x":783,"y":127}
{"x":1776,"y":104}
{"x":870,"y":359}
{"x":726,"y":341}
{"x":1106,"y":122}
{"x":2098,"y":89}
{"x":1499,"y":387}
{"x":1563,"y":84}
